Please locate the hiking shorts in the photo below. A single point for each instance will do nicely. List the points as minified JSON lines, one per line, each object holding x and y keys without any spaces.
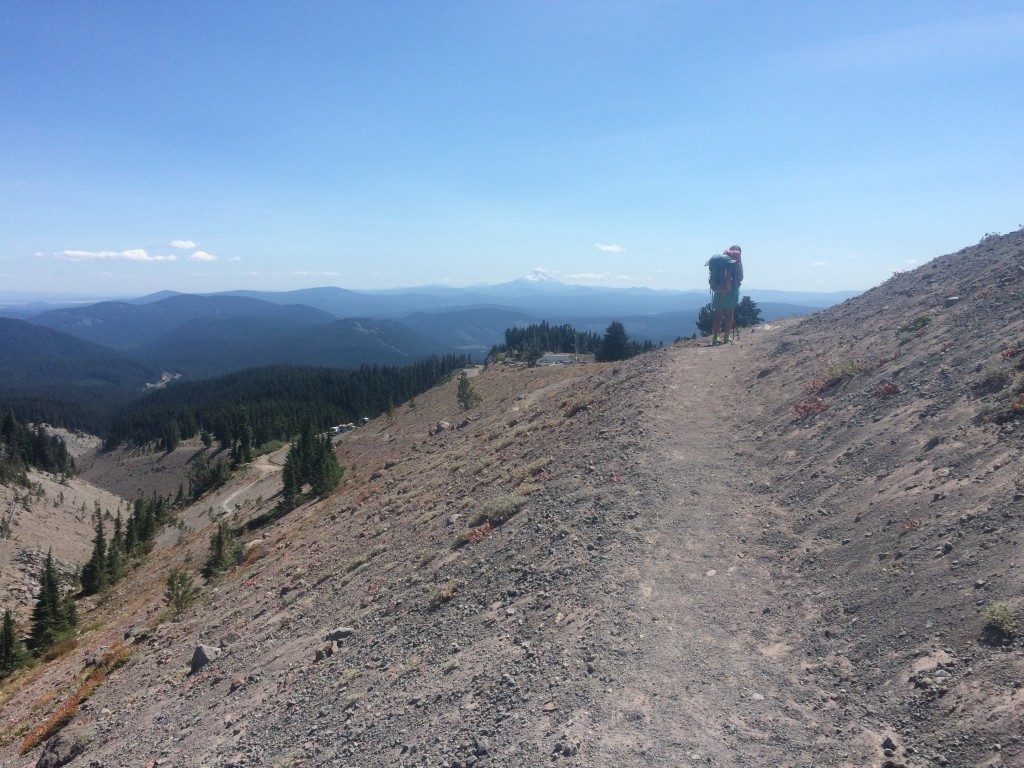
{"x":726,"y":300}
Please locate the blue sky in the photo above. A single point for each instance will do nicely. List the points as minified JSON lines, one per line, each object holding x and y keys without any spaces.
{"x":206,"y":146}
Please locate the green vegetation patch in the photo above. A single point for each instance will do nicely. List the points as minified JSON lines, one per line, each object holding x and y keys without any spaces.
{"x":1001,"y":618}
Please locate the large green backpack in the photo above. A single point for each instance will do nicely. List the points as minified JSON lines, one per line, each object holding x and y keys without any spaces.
{"x":720,"y":274}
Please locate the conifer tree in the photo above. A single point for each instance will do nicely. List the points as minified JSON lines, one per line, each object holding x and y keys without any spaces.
{"x":327,"y":473}
{"x":116,"y":553}
{"x":53,"y":618}
{"x":12,"y":651}
{"x":95,"y":575}
{"x":466,"y":394}
{"x":292,"y":486}
{"x":179,"y":594}
{"x":748,"y":313}
{"x":223,"y":551}
{"x":615,"y":344}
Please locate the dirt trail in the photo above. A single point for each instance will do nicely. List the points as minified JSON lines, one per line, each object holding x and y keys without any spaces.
{"x":719,"y":678}
{"x":257,"y":471}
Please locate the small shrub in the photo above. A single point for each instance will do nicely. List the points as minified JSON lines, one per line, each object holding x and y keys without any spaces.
{"x":833,"y":375}
{"x":356,"y":562}
{"x":250,"y":557}
{"x":533,"y":469}
{"x":809,"y":407}
{"x":179,"y":595}
{"x":915,"y":324}
{"x":444,"y":594}
{"x":993,"y":379}
{"x":58,"y":649}
{"x":64,"y":713}
{"x":887,"y":390}
{"x":1001,"y":618}
{"x":473,"y":535}
{"x":842,"y":369}
{"x":577,"y":403}
{"x":498,"y":511}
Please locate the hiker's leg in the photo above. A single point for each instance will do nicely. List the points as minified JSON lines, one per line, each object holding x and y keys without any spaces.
{"x":728,"y":322}
{"x":716,"y":323}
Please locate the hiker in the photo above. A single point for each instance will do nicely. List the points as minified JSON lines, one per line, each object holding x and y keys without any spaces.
{"x":726,"y":274}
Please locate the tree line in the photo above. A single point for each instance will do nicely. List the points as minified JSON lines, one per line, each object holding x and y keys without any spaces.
{"x":23,"y":446}
{"x":54,"y":614}
{"x":746,"y":315}
{"x":529,"y":343}
{"x":254,"y":407}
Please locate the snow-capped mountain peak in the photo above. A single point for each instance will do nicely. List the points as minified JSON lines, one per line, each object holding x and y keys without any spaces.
{"x":540,"y":276}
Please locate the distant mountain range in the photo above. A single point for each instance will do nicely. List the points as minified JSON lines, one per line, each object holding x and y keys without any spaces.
{"x":124,"y":344}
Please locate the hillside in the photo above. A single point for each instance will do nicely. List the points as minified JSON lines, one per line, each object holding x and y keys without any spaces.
{"x":36,"y":360}
{"x":777,"y":552}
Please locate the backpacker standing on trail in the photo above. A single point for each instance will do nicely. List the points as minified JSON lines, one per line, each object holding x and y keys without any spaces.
{"x":725,"y":273}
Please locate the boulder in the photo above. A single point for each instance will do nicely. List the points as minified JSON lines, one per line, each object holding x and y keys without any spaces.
{"x":202,"y":656}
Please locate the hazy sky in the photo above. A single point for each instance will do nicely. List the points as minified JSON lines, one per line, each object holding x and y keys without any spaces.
{"x":205,"y":146}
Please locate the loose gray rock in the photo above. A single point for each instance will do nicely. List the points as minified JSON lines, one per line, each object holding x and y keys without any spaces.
{"x":60,"y":750}
{"x":202,"y":656}
{"x":339,"y":633}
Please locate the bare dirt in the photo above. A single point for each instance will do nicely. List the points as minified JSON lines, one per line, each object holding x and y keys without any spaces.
{"x":776,"y":552}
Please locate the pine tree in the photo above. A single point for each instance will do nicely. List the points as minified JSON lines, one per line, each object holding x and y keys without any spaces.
{"x":53,"y":618}
{"x":466,"y":395}
{"x":705,"y":318}
{"x":292,"y":486}
{"x":179,"y":594}
{"x":223,"y":551}
{"x":328,"y":473}
{"x":615,"y":344}
{"x":94,"y":574}
{"x":748,"y":313}
{"x":12,"y":651}
{"x":116,"y":555}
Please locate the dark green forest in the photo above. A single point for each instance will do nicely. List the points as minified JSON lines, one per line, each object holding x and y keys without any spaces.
{"x":256,"y":406}
{"x":616,"y":345}
{"x":22,"y":447}
{"x":531,"y":342}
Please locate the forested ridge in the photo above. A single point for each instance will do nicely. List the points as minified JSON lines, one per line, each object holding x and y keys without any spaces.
{"x":528,"y":344}
{"x":23,"y":446}
{"x":259,"y":405}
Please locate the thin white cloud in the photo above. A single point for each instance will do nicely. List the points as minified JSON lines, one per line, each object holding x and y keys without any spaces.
{"x":316,"y":274}
{"x":980,"y":40}
{"x":608,"y":277}
{"x":910,"y":261}
{"x":609,"y":247}
{"x":184,"y":245}
{"x":819,"y":263}
{"x":235,"y":258}
{"x":132,"y":254}
{"x":202,"y":256}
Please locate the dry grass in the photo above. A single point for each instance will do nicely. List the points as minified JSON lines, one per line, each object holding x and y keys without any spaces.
{"x":64,"y":713}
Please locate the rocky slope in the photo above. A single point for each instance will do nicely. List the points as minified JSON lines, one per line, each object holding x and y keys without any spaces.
{"x":777,"y":552}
